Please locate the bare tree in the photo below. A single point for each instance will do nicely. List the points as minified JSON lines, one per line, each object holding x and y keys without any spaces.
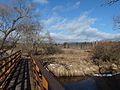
{"x":116,"y":19}
{"x":49,"y":38}
{"x":13,"y":40}
{"x":110,"y":2}
{"x":11,"y":16}
{"x":30,"y":33}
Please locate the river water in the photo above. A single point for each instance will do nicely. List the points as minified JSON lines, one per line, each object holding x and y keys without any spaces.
{"x":91,"y":83}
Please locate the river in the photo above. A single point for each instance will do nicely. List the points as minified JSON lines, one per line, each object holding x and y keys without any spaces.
{"x":91,"y":83}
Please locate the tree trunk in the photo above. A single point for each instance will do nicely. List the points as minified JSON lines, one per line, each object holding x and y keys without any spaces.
{"x":3,"y":41}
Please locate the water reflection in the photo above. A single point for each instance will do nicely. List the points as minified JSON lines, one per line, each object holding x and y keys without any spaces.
{"x":92,"y":83}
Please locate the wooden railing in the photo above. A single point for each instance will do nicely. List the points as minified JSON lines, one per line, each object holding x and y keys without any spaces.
{"x":6,"y":66}
{"x":43,"y":79}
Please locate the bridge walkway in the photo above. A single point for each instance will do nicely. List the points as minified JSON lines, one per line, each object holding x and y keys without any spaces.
{"x":18,"y":72}
{"x":19,"y":78}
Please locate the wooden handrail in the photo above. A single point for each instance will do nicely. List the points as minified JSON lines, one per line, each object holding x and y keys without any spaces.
{"x":10,"y":55}
{"x":7,"y":65}
{"x":43,"y":79}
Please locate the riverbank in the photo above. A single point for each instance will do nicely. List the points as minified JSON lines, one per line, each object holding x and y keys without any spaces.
{"x":74,"y":62}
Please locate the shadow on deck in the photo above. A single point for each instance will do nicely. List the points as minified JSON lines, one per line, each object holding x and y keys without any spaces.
{"x":20,"y":77}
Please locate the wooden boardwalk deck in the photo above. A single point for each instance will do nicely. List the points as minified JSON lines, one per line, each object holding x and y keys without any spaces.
{"x":20,"y":77}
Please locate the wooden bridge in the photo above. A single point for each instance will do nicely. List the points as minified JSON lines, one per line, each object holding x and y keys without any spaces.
{"x":18,"y":72}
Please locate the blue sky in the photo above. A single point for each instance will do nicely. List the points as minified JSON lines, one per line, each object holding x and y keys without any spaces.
{"x":77,"y":20}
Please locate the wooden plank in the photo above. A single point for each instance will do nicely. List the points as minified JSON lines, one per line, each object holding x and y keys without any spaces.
{"x":8,"y":66}
{"x":44,"y":83}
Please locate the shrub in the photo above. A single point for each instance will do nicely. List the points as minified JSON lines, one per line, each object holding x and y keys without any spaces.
{"x":106,"y":52}
{"x":115,"y":53}
{"x":52,"y":49}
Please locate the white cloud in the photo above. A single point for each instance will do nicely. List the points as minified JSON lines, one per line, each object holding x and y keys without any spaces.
{"x":77,"y":4}
{"x":41,"y":1}
{"x":76,"y":29}
{"x":58,"y":8}
{"x":68,"y":7}
{"x":52,"y":21}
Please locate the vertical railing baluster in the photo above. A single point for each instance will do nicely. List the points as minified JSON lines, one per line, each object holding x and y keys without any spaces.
{"x":7,"y":66}
{"x":43,"y":80}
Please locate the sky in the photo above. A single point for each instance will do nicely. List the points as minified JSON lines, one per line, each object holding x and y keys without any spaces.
{"x":78,"y":20}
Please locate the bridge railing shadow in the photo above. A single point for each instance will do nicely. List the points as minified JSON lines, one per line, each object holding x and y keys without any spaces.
{"x":19,"y":78}
{"x":7,"y":65}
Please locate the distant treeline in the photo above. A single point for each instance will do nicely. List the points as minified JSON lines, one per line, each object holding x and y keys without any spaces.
{"x":81,"y":45}
{"x":84,"y":45}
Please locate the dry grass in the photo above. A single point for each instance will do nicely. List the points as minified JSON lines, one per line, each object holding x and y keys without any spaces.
{"x":71,"y":56}
{"x":72,"y":62}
